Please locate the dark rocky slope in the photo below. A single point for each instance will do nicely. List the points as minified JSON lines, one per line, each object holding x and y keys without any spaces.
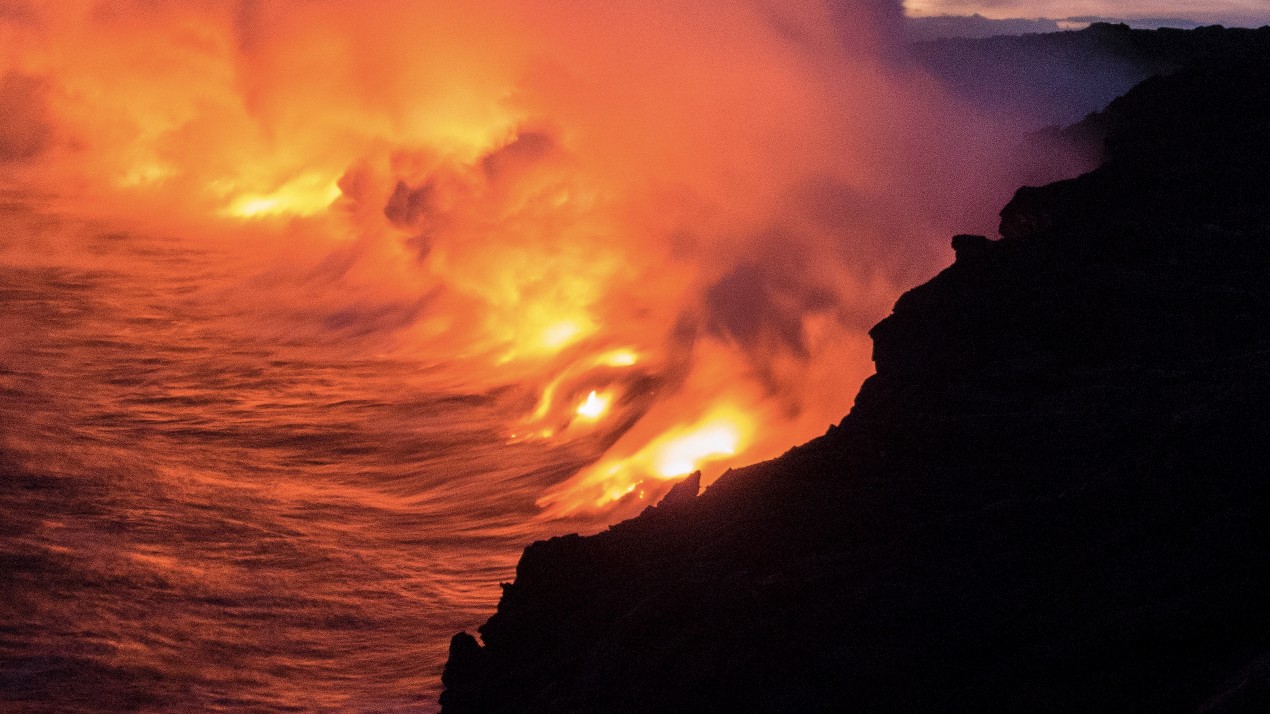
{"x":1052,"y":497}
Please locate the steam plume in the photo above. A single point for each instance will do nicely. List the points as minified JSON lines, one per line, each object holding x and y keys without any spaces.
{"x":671,"y":222}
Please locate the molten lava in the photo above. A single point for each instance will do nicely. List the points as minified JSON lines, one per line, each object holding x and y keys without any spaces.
{"x":303,"y":196}
{"x":685,"y":454}
{"x":594,"y":406}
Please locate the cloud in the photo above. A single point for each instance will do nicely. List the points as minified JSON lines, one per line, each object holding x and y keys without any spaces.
{"x":25,"y":127}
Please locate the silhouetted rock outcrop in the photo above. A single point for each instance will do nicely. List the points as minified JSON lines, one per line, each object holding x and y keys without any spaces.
{"x":465,"y":675}
{"x":1051,"y":497}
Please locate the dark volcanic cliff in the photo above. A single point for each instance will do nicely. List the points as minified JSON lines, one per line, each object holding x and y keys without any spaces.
{"x":1052,"y":497}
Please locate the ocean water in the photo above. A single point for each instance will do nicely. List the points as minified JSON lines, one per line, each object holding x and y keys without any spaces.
{"x":198,"y":513}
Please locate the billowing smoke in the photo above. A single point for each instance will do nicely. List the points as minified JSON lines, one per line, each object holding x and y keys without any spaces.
{"x":668,"y":223}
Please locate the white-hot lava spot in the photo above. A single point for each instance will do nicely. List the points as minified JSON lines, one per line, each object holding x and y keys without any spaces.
{"x":594,"y":406}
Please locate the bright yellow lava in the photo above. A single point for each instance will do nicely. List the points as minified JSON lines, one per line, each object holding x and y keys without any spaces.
{"x":677,"y":452}
{"x":303,"y":196}
{"x":594,"y":406}
{"x":619,"y":358}
{"x":560,"y":334}
{"x":681,"y":456}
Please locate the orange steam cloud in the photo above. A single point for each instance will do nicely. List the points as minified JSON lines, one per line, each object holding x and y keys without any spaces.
{"x":670,"y":221}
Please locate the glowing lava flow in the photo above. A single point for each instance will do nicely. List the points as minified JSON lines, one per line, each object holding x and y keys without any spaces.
{"x":619,"y":358}
{"x":594,"y":407}
{"x":304,"y":196}
{"x":723,"y":432}
{"x":682,"y":456}
{"x":597,"y":403}
{"x":678,"y":451}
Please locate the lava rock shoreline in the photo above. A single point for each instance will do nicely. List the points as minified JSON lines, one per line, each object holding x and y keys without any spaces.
{"x":1052,"y":496}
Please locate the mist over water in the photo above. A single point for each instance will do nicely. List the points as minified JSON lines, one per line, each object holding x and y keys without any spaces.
{"x":199,"y":517}
{"x":315,"y":314}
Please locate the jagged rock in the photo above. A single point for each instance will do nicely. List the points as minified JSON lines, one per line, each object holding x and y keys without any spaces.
{"x":684,"y":492}
{"x":969,"y":247}
{"x":465,"y":676}
{"x":1050,"y":498}
{"x":1248,"y":692}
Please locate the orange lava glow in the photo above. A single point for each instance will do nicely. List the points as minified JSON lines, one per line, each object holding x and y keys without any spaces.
{"x":670,"y":223}
{"x":619,"y":358}
{"x":716,"y":437}
{"x":683,"y":455}
{"x":303,"y":196}
{"x":594,"y":406}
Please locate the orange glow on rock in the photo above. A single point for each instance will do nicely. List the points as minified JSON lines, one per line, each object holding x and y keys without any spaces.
{"x":685,"y":454}
{"x":677,"y":451}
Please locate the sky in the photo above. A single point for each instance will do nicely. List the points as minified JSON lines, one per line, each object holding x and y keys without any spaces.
{"x":1254,"y":13}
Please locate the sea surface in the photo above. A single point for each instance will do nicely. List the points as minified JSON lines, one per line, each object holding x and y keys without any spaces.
{"x":203,"y":511}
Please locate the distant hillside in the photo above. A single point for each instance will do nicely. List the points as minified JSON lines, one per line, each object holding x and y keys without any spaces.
{"x":921,"y":29}
{"x":1057,"y":78}
{"x":935,"y":27}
